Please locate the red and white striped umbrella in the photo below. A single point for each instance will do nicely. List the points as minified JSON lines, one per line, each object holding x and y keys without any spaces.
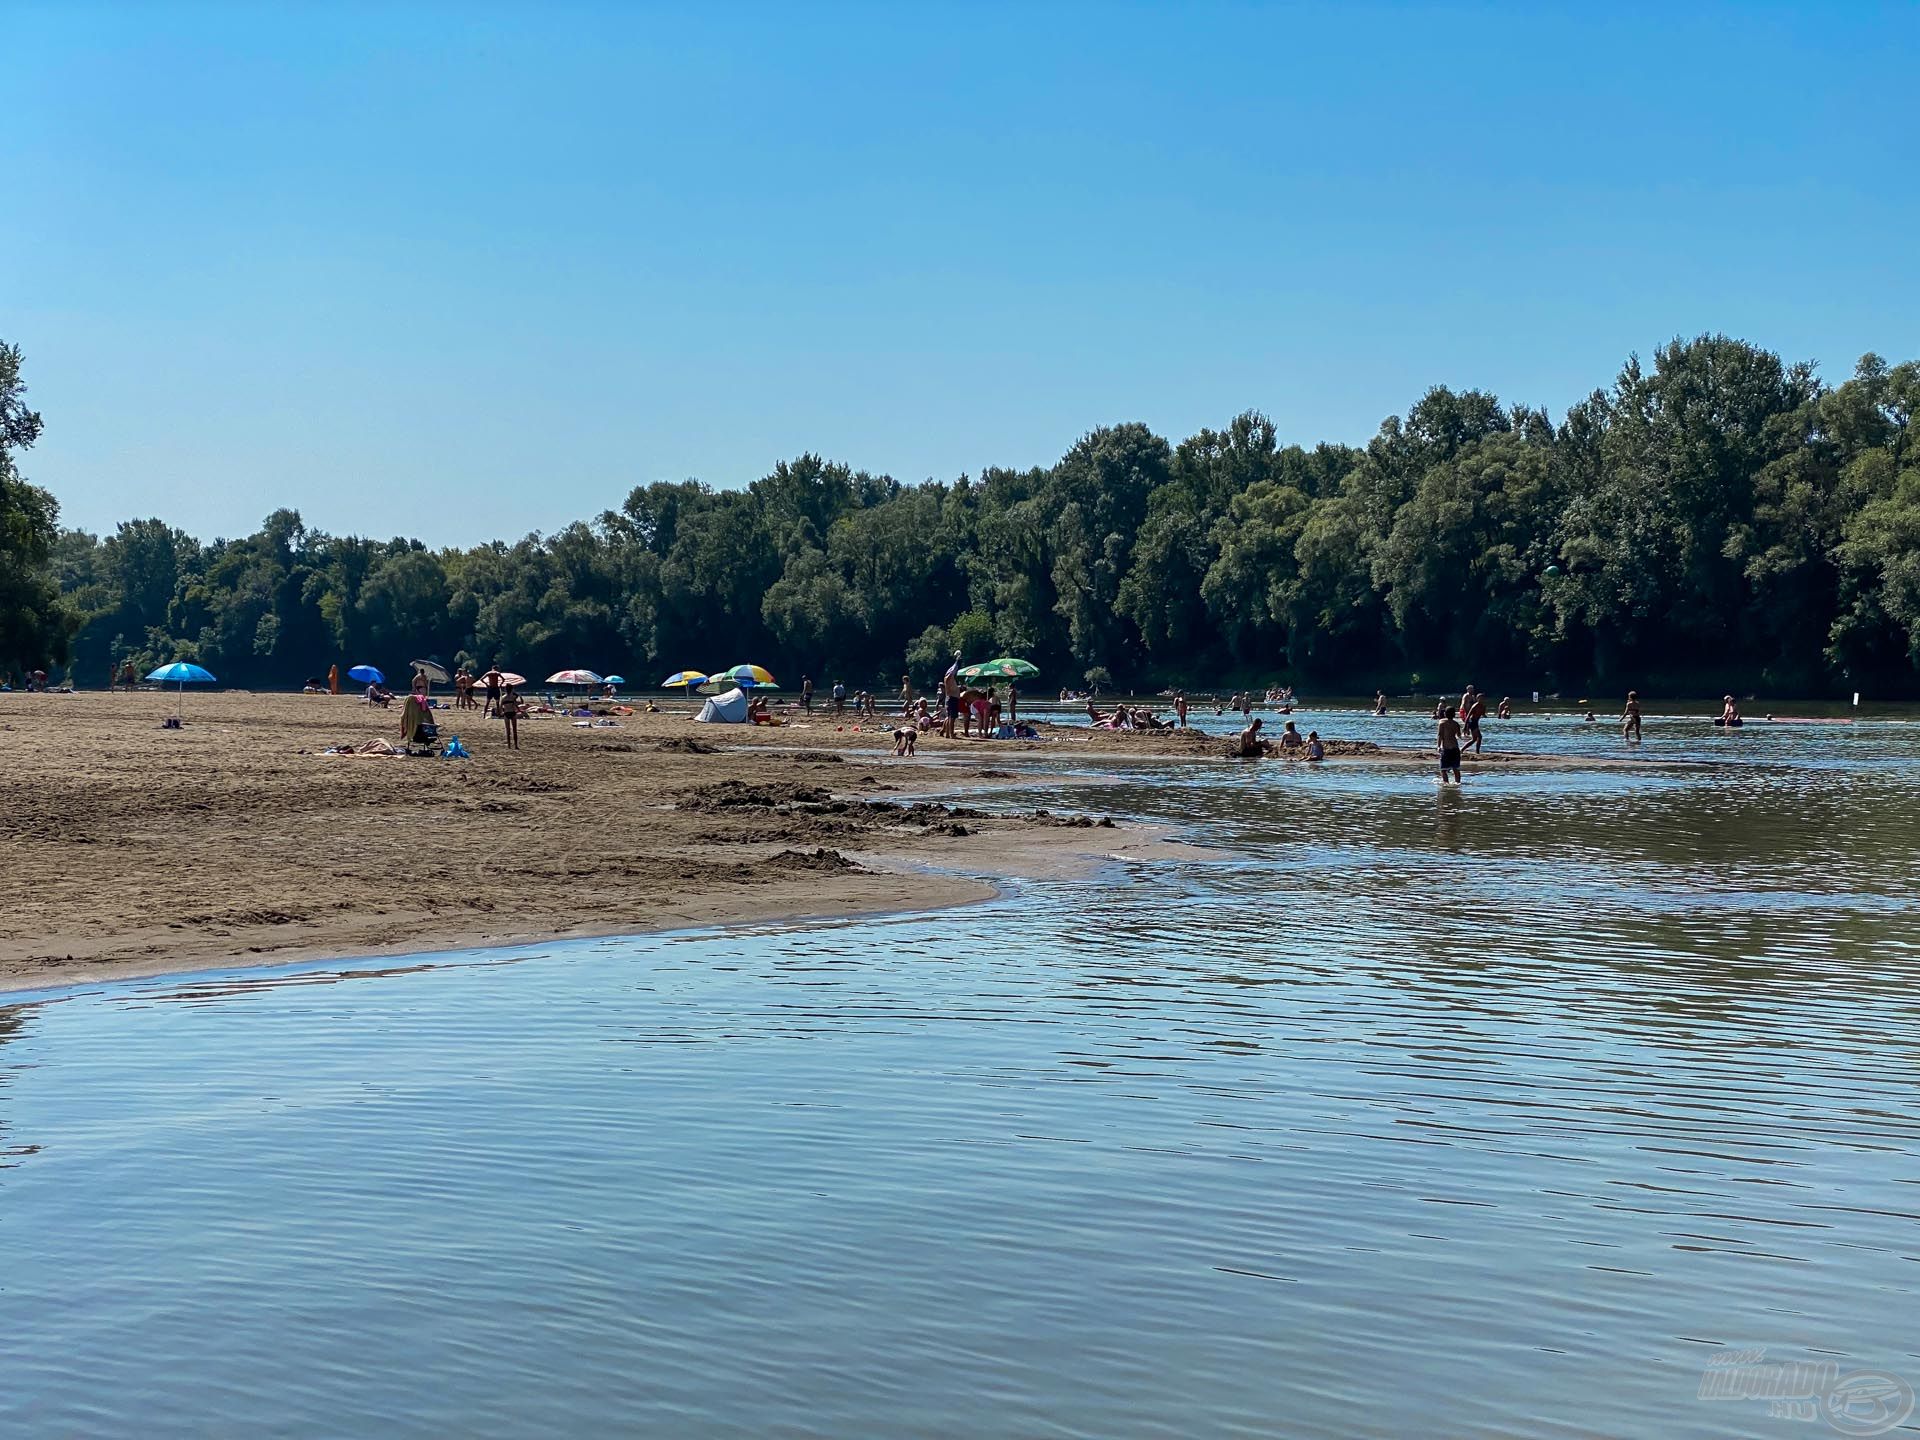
{"x":573,"y":677}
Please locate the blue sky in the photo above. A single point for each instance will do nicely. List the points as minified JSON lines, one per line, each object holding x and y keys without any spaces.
{"x":469,"y":271}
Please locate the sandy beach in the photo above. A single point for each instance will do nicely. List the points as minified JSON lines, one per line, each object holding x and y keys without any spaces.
{"x":134,"y":849}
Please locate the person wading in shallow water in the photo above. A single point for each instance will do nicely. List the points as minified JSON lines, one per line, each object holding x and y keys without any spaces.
{"x":1630,"y":717}
{"x":1447,"y":733}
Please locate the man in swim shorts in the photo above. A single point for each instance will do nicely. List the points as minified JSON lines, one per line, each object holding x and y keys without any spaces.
{"x":1448,"y":734}
{"x":950,"y":692}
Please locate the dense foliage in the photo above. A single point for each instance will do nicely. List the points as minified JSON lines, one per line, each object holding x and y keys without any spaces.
{"x":33,"y":625}
{"x":1717,"y":518}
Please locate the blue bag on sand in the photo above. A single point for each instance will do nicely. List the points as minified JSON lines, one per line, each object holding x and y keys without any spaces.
{"x":456,"y":751}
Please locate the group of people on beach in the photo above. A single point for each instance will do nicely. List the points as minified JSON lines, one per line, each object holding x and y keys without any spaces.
{"x":1291,"y":745}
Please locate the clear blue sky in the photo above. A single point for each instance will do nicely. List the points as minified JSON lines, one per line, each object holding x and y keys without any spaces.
{"x":476,"y":270}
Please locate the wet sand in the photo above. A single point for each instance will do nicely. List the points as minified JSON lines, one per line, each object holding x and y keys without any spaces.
{"x":133,"y":849}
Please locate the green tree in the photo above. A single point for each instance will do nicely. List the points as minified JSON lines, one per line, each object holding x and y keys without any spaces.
{"x":35,"y":627}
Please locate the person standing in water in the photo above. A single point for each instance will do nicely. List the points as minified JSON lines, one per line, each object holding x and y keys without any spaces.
{"x":1447,"y":733}
{"x":1180,"y":707}
{"x":1630,"y":717}
{"x":1379,"y":702}
{"x":1473,"y":709}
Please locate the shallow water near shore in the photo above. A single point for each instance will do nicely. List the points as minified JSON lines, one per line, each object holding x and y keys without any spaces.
{"x":1511,"y":1110}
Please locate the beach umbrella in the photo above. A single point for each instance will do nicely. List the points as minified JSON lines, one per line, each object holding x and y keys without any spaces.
{"x":573,"y":677}
{"x":614,"y":679}
{"x":748,"y":676}
{"x":1004,"y":668}
{"x":367,"y":675}
{"x":182,"y":674}
{"x":435,"y":672}
{"x":683,"y":679}
{"x":507,"y":677}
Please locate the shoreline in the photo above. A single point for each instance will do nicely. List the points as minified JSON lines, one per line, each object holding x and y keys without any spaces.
{"x":234,"y":842}
{"x":935,"y":890}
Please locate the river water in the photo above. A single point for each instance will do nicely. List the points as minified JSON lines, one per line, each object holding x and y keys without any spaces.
{"x":1558,"y":1105}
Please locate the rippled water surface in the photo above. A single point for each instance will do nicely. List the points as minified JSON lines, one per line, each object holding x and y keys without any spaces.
{"x":1505,"y":1111}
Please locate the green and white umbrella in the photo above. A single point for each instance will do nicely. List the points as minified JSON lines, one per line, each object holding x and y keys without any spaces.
{"x":1005,"y":668}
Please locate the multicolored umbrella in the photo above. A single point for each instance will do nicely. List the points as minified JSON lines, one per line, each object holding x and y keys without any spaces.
{"x":574,"y":677}
{"x":1005,"y":668}
{"x":182,"y":674}
{"x":683,"y":679}
{"x":748,"y":676}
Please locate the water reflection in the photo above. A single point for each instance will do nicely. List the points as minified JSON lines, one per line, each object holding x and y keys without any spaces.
{"x":1487,"y":1112}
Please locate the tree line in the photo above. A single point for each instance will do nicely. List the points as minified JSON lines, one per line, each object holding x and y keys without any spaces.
{"x":1718,"y":518}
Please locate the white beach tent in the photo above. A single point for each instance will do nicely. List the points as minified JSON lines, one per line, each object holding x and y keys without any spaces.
{"x":729,"y":708}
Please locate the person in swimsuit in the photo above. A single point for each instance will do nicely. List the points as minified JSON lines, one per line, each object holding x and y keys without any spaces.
{"x":950,"y":692}
{"x":1630,"y":718}
{"x":1447,"y":732}
{"x":1505,"y":712}
{"x":1473,"y":709}
{"x":1315,"y":750}
{"x":508,"y":709}
{"x":492,"y":680}
{"x":1379,"y":702}
{"x":1251,"y":746}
